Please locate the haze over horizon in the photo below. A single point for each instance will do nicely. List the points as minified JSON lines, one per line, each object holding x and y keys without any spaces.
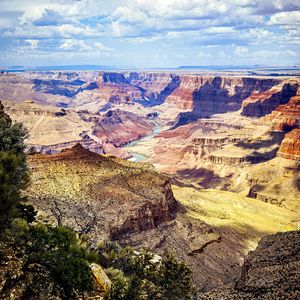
{"x":151,"y":34}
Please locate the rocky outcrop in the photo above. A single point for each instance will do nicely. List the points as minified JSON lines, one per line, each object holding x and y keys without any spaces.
{"x":149,"y":216}
{"x":290,"y":146}
{"x":287,"y":116}
{"x":226,"y":160}
{"x":100,"y":276}
{"x":109,"y":196}
{"x":86,"y":142}
{"x":120,"y":127}
{"x":261,"y":104}
{"x":155,"y":86}
{"x":270,"y":272}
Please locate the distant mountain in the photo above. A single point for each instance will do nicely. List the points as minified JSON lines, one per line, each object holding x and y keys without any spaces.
{"x":221,"y":67}
{"x":65,"y":67}
{"x":242,"y":67}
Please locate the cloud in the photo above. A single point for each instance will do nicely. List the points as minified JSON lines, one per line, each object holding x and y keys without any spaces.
{"x":33,"y":44}
{"x":50,"y":18}
{"x":146,"y":30}
{"x":82,"y":46}
{"x":285,"y":18}
{"x":61,"y":31}
{"x":77,"y":45}
{"x":241,"y":51}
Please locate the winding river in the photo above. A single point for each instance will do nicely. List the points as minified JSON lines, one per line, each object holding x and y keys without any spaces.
{"x":139,"y":157}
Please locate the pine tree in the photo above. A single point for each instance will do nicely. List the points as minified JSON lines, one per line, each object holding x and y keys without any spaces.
{"x":13,"y":168}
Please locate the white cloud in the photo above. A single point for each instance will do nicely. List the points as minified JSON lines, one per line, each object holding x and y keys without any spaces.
{"x":61,"y":31}
{"x":285,"y":18}
{"x":77,"y":45}
{"x":241,"y":51}
{"x":202,"y":54}
{"x":33,"y":44}
{"x":269,"y":54}
{"x":168,"y":28}
{"x":81,"y":46}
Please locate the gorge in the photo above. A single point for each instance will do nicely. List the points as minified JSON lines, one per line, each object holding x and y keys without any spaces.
{"x":218,"y":161}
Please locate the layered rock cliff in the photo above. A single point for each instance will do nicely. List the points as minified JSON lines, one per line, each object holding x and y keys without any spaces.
{"x":208,"y":95}
{"x":287,"y":116}
{"x":290,"y":146}
{"x":261,"y":104}
{"x":270,"y":272}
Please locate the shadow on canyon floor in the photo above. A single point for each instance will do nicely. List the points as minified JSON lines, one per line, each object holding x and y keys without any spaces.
{"x":257,"y":157}
{"x":276,"y":138}
{"x":203,"y":177}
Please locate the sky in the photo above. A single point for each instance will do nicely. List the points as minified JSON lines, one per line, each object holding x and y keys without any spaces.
{"x":149,"y":33}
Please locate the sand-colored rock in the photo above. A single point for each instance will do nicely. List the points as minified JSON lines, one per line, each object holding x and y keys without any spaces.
{"x":100,"y":276}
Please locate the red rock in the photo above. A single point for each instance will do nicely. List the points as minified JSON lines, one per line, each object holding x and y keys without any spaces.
{"x":286,"y":116}
{"x":290,"y":146}
{"x":119,"y":127}
{"x":261,"y":104}
{"x":208,"y":95}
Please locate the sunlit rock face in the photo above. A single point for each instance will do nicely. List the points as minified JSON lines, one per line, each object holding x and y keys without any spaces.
{"x":290,"y":146}
{"x":286,"y":116}
{"x":208,"y":94}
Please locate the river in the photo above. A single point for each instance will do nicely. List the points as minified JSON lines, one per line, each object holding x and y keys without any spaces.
{"x":139,"y":157}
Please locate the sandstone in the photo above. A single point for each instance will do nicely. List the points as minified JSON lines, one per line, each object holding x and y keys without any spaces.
{"x":285,"y":117}
{"x":100,"y":276}
{"x":261,"y":104}
{"x":119,"y":127}
{"x":290,"y":146}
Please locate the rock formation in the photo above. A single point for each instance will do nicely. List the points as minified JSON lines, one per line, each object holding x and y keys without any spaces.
{"x":119,"y":127}
{"x":270,"y":272}
{"x":79,"y":188}
{"x":261,"y":104}
{"x":290,"y":146}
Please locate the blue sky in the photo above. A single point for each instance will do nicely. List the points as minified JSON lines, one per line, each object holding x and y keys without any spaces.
{"x":149,"y":33}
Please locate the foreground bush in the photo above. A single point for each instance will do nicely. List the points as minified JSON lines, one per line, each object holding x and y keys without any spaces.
{"x":140,"y":276}
{"x":52,"y":254}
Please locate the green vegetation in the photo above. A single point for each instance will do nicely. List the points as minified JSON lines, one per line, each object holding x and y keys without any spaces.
{"x":140,"y":276}
{"x":13,"y":169}
{"x":56,"y":250}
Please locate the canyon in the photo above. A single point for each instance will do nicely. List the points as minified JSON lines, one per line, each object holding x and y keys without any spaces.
{"x":218,"y":170}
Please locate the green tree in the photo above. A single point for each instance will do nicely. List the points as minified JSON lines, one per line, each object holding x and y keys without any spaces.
{"x":138,"y":276}
{"x":175,"y":278}
{"x":58,"y":251}
{"x":13,"y":168}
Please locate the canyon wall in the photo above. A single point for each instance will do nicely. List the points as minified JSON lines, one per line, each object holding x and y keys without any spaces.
{"x":202,"y":94}
{"x":271,"y":271}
